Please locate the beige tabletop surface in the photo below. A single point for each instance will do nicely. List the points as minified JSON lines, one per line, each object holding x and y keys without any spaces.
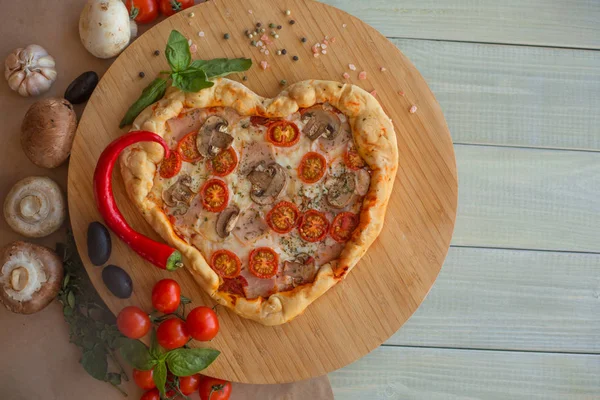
{"x":37,"y":361}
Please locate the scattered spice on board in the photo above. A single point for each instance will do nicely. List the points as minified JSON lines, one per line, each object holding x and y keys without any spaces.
{"x":352,"y":67}
{"x":264,"y":65}
{"x":201,"y":34}
{"x":193,"y":48}
{"x":344,"y":26}
{"x":413,"y":109}
{"x":363,"y":75}
{"x":373,"y":93}
{"x":383,"y":69}
{"x":346,"y":75}
{"x":401,"y":93}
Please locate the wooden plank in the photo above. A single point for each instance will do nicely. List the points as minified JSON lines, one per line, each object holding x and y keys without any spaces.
{"x":507,"y":299}
{"x":513,"y":95}
{"x":560,"y":23}
{"x":395,"y":373}
{"x":528,"y":198}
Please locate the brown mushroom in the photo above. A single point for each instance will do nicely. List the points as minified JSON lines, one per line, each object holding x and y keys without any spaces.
{"x":268,"y":182}
{"x":213,"y":137}
{"x":48,"y":131}
{"x":35,"y":207}
{"x":302,"y":270}
{"x":340,"y":189}
{"x":226,"y":221}
{"x":179,"y":195}
{"x":321,"y":123}
{"x":30,"y":277}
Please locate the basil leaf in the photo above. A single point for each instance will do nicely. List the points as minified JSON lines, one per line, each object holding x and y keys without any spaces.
{"x":155,"y":350}
{"x":152,"y":93}
{"x":113,"y":378}
{"x":191,"y":80}
{"x":185,"y":362}
{"x":159,"y":374}
{"x":94,"y":362}
{"x":218,"y":67}
{"x":137,"y":355}
{"x":178,"y":52}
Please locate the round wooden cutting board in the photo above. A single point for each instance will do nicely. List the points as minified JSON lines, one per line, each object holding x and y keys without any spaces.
{"x":391,"y":280}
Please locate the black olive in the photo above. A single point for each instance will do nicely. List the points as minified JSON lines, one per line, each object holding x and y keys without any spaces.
{"x":98,"y":242}
{"x":81,"y":88}
{"x":117,"y":281}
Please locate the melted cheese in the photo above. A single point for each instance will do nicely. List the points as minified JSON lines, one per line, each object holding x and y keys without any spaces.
{"x":198,"y":226}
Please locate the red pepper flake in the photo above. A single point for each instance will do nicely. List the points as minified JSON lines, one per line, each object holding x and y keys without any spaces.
{"x":413,"y":109}
{"x":362,"y":76}
{"x":401,"y":93}
{"x":346,"y":75}
{"x":264,"y":65}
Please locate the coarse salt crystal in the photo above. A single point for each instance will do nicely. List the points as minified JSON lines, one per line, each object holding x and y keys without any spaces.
{"x":193,"y":48}
{"x":352,"y":67}
{"x":315,"y":55}
{"x":264,"y":64}
{"x":382,"y":69}
{"x":324,"y":51}
{"x":201,"y":34}
{"x":373,"y":92}
{"x":318,"y":45}
{"x":249,"y":11}
{"x":262,"y":50}
{"x":266,"y":52}
{"x":344,"y":26}
{"x":333,"y":39}
{"x":314,"y":50}
{"x":259,"y":43}
{"x":264,"y":37}
{"x":346,"y":75}
{"x":325,"y":42}
{"x":362,"y":76}
{"x":413,"y":109}
{"x":324,"y":46}
{"x":401,"y":93}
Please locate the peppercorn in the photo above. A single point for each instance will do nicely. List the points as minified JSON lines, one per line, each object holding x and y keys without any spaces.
{"x":292,"y":22}
{"x":279,"y":27}
{"x":253,"y":43}
{"x":156,"y":52}
{"x":304,"y":40}
{"x":258,"y":24}
{"x":245,"y":78}
{"x":142,"y":74}
{"x":226,"y":36}
{"x":272,"y":25}
{"x":287,"y":12}
{"x":283,"y":82}
{"x":296,"y":58}
{"x":284,"y":51}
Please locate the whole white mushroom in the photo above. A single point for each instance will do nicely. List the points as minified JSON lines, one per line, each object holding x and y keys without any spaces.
{"x":105,"y":28}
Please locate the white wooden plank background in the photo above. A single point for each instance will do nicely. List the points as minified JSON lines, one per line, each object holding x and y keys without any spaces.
{"x":528,"y":198}
{"x":513,"y":95}
{"x":524,"y":272}
{"x":395,"y":373}
{"x":515,"y":300}
{"x":559,"y":23}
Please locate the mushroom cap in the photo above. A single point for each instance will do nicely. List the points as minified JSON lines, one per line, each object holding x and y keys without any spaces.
{"x":47,"y":132}
{"x":320,"y":122}
{"x":226,"y":220}
{"x":35,"y":207}
{"x":340,"y":190}
{"x":30,"y":277}
{"x":213,"y":137}
{"x":105,"y":28}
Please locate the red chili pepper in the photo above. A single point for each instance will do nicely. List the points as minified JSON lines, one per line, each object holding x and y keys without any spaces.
{"x":159,"y":254}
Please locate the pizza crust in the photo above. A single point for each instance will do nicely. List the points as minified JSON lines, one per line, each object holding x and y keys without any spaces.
{"x":375,"y":142}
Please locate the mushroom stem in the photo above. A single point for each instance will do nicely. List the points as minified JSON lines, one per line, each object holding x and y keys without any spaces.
{"x":19,"y":278}
{"x":30,"y":207}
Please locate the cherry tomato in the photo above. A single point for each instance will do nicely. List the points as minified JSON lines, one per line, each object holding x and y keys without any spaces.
{"x":187,"y":148}
{"x":214,"y":389}
{"x":225,"y":263}
{"x":283,"y":217}
{"x":143,"y":379}
{"x":166,"y":296}
{"x":133,"y":322}
{"x":312,"y":167}
{"x":202,"y":323}
{"x":172,"y":334}
{"x":342,"y":226}
{"x":151,"y":395}
{"x":313,"y":226}
{"x":263,"y":262}
{"x":215,"y":195}
{"x":224,"y":163}
{"x":234,"y":286}
{"x":142,"y":11}
{"x":169,"y":167}
{"x":170,"y":7}
{"x":283,"y":133}
{"x":353,"y":160}
{"x":258,"y":121}
{"x":189,"y":384}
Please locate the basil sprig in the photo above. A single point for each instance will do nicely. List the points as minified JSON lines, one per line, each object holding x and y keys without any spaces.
{"x":181,"y":362}
{"x":185,"y":74}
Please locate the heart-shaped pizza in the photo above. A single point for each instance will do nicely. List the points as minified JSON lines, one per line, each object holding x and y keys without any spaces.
{"x":271,"y":202}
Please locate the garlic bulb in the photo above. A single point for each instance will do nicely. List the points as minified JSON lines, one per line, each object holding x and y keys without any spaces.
{"x":30,"y":71}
